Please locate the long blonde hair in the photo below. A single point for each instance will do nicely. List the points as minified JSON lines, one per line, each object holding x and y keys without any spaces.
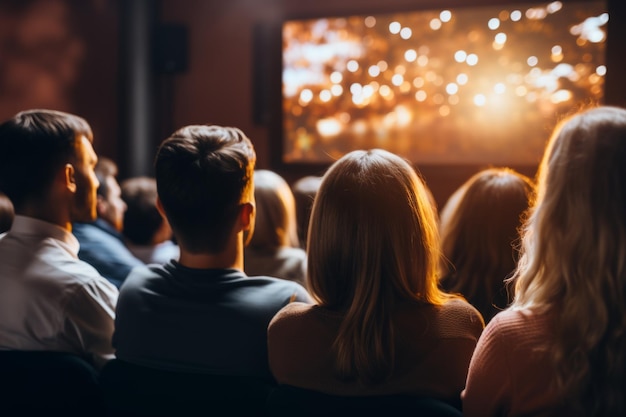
{"x":372,"y":242}
{"x":574,"y":260}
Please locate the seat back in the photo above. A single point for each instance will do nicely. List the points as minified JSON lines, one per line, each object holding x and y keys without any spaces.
{"x":134,"y":390}
{"x":48,"y":383}
{"x":287,"y":400}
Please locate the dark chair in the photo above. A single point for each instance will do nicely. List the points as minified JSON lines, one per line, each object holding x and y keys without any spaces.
{"x":287,"y":400}
{"x":48,"y":384}
{"x":134,"y":390}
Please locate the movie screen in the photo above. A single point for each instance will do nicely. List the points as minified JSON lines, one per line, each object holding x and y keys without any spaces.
{"x":455,"y":86}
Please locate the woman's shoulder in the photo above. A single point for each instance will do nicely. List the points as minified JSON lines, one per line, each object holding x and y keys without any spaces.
{"x":292,"y":312}
{"x":456,"y":317}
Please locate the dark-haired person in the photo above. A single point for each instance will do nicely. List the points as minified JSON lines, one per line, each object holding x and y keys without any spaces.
{"x":49,"y":299}
{"x":480,"y":234}
{"x":101,"y":241}
{"x":203,"y":313}
{"x":148,"y":233}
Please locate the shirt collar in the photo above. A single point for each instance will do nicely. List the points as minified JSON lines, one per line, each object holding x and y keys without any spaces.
{"x":35,"y":227}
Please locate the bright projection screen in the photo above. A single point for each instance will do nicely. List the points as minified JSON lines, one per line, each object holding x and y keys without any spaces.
{"x":448,"y":86}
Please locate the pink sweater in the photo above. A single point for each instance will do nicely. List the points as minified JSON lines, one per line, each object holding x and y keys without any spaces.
{"x":510,"y":373}
{"x":433,"y":350}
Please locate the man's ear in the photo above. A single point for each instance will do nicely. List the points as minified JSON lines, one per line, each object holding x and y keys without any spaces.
{"x":246,"y":216}
{"x":69,"y":178}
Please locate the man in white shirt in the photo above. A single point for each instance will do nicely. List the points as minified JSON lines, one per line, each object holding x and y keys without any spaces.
{"x":49,"y":299}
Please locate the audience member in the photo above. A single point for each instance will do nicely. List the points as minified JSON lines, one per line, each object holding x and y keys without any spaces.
{"x":480,"y":236}
{"x":49,"y":299}
{"x":274,"y":248}
{"x":381,"y":325}
{"x":148,"y":234}
{"x":304,"y":191}
{"x":101,"y":242}
{"x":203,"y":313}
{"x":7,"y":213}
{"x":560,"y":348}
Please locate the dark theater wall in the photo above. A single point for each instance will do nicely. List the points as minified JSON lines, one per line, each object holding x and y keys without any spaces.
{"x":61,"y":54}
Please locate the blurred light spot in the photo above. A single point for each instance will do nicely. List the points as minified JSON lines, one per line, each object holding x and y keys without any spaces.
{"x":561,"y":96}
{"x":410,"y":55}
{"x":472,"y":59}
{"x":418,"y":82}
{"x":370,"y":21}
{"x":462,"y":79}
{"x":394,"y":28}
{"x":382,"y":65}
{"x":406,"y":33}
{"x":500,"y":38}
{"x":337,"y":90}
{"x":325,"y":96}
{"x":601,"y":70}
{"x":328,"y":127}
{"x":516,"y":15}
{"x":336,"y":77}
{"x":435,"y":24}
{"x":445,"y":16}
{"x":554,"y":7}
{"x":421,"y":96}
{"x":452,"y":88}
{"x":494,"y":23}
{"x":499,"y":88}
{"x":460,"y":56}
{"x":532,"y":61}
{"x":373,"y":71}
{"x":352,"y":66}
{"x":480,"y":100}
{"x":397,"y":79}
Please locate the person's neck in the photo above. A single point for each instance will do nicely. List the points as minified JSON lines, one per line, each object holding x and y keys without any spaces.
{"x":230,"y":258}
{"x":47,"y":213}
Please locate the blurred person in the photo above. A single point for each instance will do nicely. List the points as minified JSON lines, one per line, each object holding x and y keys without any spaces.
{"x":304,"y":191}
{"x":381,"y":325}
{"x":49,"y":299}
{"x":274,"y":248}
{"x":559,"y":349}
{"x":101,"y":241}
{"x":203,"y":313}
{"x":480,"y":237}
{"x":7,"y":213}
{"x":147,"y":233}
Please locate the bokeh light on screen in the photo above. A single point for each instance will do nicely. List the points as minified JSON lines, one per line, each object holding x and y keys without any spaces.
{"x":468,"y":86}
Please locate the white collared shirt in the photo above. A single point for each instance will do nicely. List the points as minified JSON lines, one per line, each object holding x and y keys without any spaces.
{"x":49,"y":299}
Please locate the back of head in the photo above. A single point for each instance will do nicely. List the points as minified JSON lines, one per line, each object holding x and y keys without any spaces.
{"x":573,"y":261}
{"x":480,"y":234}
{"x":203,"y":174}
{"x":304,"y":191}
{"x":275,"y":224}
{"x":34,"y":145}
{"x":105,"y":169}
{"x":372,"y":243}
{"x":7,"y":213}
{"x":142,"y":219}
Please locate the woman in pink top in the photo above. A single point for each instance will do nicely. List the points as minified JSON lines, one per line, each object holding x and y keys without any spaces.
{"x":381,"y":325}
{"x":561,"y":348}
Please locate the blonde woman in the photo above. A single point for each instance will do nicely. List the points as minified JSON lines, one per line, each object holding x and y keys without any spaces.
{"x":561,"y":348}
{"x":480,"y":237}
{"x":274,"y":249}
{"x":380,"y":326}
